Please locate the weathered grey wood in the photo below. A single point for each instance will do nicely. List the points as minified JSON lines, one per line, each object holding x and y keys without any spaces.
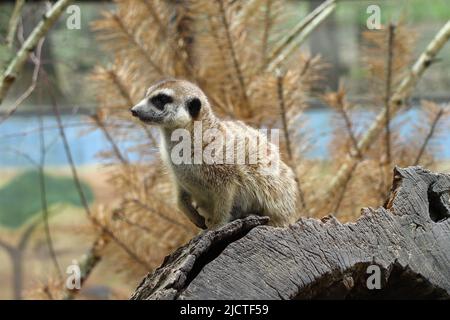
{"x":409,"y":239}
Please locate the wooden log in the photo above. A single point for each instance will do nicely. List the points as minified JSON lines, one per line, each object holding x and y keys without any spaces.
{"x":407,"y":241}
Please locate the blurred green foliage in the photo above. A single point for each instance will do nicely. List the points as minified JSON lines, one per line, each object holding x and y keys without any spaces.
{"x":5,"y":55}
{"x":20,"y":199}
{"x":5,"y":52}
{"x":75,"y":53}
{"x":416,"y":11}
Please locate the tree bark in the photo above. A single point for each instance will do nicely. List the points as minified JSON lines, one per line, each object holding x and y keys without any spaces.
{"x":407,"y":240}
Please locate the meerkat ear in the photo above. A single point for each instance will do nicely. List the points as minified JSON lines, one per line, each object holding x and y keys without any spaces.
{"x":193,"y":106}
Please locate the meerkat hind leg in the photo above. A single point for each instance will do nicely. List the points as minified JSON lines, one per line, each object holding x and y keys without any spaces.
{"x":185,"y":204}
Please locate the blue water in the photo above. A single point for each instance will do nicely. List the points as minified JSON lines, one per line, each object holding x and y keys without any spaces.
{"x":19,"y":138}
{"x":20,"y":141}
{"x":318,"y":130}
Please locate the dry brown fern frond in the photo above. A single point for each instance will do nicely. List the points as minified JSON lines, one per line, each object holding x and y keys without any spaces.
{"x":144,"y":218}
{"x":387,"y":53}
{"x":225,"y":63}
{"x":434,"y":120}
{"x":345,"y":137}
{"x":222,"y":46}
{"x":49,"y":289}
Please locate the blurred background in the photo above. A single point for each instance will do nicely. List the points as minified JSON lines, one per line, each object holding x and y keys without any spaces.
{"x":46,"y":208}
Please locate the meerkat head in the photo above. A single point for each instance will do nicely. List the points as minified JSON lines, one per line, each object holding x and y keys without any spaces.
{"x":172,"y":103}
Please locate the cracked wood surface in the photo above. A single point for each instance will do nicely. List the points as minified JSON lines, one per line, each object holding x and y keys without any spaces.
{"x":408,"y":239}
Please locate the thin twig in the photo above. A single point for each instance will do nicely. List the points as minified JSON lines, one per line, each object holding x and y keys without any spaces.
{"x":79,"y":188}
{"x":344,"y":190}
{"x":22,"y":154}
{"x":299,"y":34}
{"x":306,"y":66}
{"x":66,"y":125}
{"x":68,"y":152}
{"x":37,"y":66}
{"x":342,"y":107}
{"x":47,"y":292}
{"x":281,"y":102}
{"x":9,"y":248}
{"x":429,"y":136}
{"x":77,"y":182}
{"x":266,"y":33}
{"x":44,"y":203}
{"x":108,"y":137}
{"x":162,"y":216}
{"x":387,"y":98}
{"x":13,"y":22}
{"x":121,"y":217}
{"x":236,"y":65}
{"x":351,"y":134}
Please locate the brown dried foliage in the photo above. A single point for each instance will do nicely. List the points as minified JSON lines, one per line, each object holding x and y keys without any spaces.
{"x":223,"y":46}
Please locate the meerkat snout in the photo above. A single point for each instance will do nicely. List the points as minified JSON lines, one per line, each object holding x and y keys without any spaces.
{"x":154,"y":108}
{"x":134,"y":112}
{"x":211,"y":192}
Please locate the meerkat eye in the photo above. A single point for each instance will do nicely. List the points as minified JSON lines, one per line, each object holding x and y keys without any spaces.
{"x":193,"y":106}
{"x":160,"y":100}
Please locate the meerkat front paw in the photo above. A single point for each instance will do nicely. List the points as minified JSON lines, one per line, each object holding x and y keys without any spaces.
{"x":213,"y":224}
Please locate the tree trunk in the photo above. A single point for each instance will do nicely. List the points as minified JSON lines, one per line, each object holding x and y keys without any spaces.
{"x":16,"y":262}
{"x":407,"y":241}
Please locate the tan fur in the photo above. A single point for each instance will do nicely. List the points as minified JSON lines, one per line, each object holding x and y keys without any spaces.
{"x":222,"y":192}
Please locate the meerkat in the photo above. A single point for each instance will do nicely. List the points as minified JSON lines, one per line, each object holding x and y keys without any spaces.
{"x":215,"y":193}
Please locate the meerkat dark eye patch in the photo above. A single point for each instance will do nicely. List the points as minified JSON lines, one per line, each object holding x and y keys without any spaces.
{"x":193,"y":106}
{"x":160,"y":100}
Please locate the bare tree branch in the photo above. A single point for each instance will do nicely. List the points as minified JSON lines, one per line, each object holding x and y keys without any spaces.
{"x":9,"y":248}
{"x":390,"y":58}
{"x":108,"y":137}
{"x":299,"y":34}
{"x":44,"y":204}
{"x":37,"y":67}
{"x":396,"y":102}
{"x":16,"y":64}
{"x":81,"y":194}
{"x":234,"y":57}
{"x":266,"y":33}
{"x":430,"y":134}
{"x":280,"y":92}
{"x":344,"y":190}
{"x":13,"y":22}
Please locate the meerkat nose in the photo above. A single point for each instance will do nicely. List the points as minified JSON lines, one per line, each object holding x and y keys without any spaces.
{"x":134,"y":112}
